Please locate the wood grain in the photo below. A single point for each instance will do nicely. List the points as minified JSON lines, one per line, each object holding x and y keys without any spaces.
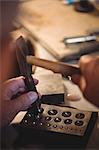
{"x":57,"y":67}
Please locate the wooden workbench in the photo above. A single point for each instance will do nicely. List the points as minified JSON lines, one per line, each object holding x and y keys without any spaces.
{"x":51,"y":20}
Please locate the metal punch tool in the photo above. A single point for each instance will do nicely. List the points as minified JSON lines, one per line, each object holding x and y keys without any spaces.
{"x":26,"y":70}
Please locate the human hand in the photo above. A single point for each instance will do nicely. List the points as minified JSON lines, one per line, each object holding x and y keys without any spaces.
{"x":88,"y":81}
{"x":11,"y":106}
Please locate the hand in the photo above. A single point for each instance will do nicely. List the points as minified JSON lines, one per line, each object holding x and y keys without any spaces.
{"x":11,"y":106}
{"x":88,"y":81}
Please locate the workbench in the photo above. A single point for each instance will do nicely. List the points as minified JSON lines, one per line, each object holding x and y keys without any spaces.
{"x":51,"y":21}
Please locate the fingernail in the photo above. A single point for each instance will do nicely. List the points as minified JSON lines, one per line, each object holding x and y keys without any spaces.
{"x":32,"y":96}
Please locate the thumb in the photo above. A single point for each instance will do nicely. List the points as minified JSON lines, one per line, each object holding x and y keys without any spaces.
{"x":25,"y":100}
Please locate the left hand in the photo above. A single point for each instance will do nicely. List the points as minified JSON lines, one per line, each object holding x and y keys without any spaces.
{"x":11,"y":106}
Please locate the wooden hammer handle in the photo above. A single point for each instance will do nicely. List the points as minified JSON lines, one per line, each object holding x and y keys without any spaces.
{"x":57,"y":67}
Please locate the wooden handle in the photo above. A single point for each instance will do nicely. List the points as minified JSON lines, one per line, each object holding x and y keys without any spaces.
{"x":57,"y":67}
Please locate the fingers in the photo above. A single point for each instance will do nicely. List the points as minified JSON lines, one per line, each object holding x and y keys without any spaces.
{"x":76,"y":78}
{"x":80,"y":81}
{"x":11,"y":108}
{"x":25,"y":100}
{"x":35,"y":80}
{"x":88,"y":81}
{"x":85,"y":65}
{"x":88,"y":64}
{"x":87,"y":59}
{"x":13,"y":86}
{"x":18,"y":82}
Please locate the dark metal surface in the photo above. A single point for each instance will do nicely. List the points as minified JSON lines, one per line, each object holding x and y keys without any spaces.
{"x":52,"y":119}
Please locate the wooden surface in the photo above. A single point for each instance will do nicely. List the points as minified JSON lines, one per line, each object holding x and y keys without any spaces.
{"x":50,"y":83}
{"x":51,"y":21}
{"x":39,"y":19}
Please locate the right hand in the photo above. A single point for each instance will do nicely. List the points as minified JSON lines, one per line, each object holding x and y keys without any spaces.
{"x":88,"y":81}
